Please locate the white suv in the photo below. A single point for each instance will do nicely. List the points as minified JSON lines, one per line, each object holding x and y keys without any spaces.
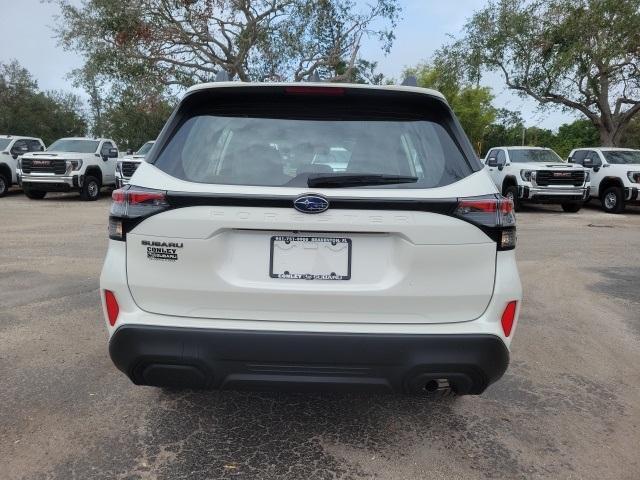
{"x":83,"y":164}
{"x":12,"y":148}
{"x":233,"y":265}
{"x":127,"y":166}
{"x":537,"y":175}
{"x":615,"y":177}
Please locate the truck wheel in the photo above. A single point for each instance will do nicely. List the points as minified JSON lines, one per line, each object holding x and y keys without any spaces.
{"x":90,"y":189}
{"x":512,"y":194}
{"x":613,"y":200}
{"x":33,"y":194}
{"x":571,"y":207}
{"x":4,"y":185}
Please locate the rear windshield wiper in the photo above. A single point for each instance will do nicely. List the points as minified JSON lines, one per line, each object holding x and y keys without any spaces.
{"x":338,"y":180}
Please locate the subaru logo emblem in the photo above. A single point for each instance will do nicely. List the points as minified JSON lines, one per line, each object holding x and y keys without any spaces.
{"x":311,"y":204}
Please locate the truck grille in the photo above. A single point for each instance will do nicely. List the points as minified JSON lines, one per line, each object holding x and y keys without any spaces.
{"x":44,"y":165}
{"x":128,"y":168}
{"x":558,"y":177}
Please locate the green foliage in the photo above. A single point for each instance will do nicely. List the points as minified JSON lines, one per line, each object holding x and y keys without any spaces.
{"x":580,"y":55}
{"x":471,"y":104}
{"x":580,"y":133}
{"x":179,"y":43}
{"x":25,"y":110}
{"x":132,"y":118}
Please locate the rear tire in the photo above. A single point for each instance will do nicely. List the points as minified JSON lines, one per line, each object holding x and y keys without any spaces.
{"x":512,"y":194}
{"x":613,"y":200}
{"x":571,"y":207}
{"x":90,"y":190}
{"x":5,"y":183}
{"x":33,"y":194}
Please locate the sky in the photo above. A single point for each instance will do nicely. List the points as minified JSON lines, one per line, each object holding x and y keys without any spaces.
{"x":26,"y":34}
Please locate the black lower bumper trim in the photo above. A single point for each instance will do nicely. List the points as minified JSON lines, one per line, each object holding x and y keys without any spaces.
{"x":231,"y":359}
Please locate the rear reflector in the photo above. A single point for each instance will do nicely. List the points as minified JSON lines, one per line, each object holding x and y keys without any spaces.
{"x":112,"y":307}
{"x":508,"y":316}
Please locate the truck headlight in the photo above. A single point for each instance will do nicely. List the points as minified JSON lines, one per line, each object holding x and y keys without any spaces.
{"x":634,"y":177}
{"x":75,"y":164}
{"x":528,"y":175}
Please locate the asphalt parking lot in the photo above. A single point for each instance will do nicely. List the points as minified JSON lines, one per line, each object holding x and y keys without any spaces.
{"x":569,"y":406}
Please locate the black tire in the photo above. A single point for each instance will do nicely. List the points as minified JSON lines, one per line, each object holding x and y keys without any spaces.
{"x":613,"y":200}
{"x":572,"y":207}
{"x":90,"y":190}
{"x":5,"y":183}
{"x":512,"y":193}
{"x":33,"y":194}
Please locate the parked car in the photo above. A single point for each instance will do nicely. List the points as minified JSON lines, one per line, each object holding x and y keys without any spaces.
{"x":537,"y":175}
{"x":128,"y":165}
{"x":83,"y":164}
{"x":615,"y":177}
{"x":399,"y":273}
{"x":12,"y":147}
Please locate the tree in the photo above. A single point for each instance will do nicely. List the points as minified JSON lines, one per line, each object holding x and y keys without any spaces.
{"x":133,"y":117}
{"x":471,"y":104}
{"x":190,"y":41}
{"x":580,"y":55}
{"x":25,"y":110}
{"x":580,"y":133}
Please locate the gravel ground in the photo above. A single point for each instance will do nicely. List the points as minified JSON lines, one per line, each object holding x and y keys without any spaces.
{"x":567,"y":408}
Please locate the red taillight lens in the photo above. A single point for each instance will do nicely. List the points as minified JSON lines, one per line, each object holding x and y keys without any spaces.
{"x":325,"y":91}
{"x":494,"y":215}
{"x":130,"y":205}
{"x":508,"y":316}
{"x":113,"y":309}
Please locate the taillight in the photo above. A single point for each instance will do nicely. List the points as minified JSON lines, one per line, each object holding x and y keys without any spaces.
{"x":508,"y":316}
{"x":495,"y":215}
{"x":130,"y":205}
{"x":113,"y":309}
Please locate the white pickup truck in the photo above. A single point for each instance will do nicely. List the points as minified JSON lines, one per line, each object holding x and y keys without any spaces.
{"x":537,"y":175}
{"x":127,"y":166}
{"x":615,"y":175}
{"x":12,"y":147}
{"x":82,"y":164}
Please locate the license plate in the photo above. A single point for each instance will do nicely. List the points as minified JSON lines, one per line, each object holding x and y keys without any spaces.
{"x":310,"y":258}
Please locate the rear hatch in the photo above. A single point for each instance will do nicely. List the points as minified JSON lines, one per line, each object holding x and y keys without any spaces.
{"x":250,"y":225}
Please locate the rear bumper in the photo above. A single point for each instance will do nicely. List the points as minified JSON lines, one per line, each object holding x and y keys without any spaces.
{"x":232,"y":359}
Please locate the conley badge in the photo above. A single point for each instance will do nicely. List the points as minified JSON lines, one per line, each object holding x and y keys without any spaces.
{"x":162,"y":250}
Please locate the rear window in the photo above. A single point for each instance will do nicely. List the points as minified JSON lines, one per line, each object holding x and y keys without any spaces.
{"x":280,"y":144}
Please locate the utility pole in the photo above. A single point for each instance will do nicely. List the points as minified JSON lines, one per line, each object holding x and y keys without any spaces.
{"x":524,"y":130}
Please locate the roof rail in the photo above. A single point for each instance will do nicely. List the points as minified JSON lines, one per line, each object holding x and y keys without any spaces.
{"x":222,"y":76}
{"x":410,"y":81}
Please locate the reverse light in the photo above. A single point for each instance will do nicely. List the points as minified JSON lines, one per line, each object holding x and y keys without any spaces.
{"x":508,"y":317}
{"x":130,"y":206}
{"x":113,"y":309}
{"x":634,"y":177}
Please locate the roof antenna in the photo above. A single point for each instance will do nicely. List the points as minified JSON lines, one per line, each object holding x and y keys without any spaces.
{"x":222,"y":76}
{"x":314,"y":77}
{"x":410,"y":81}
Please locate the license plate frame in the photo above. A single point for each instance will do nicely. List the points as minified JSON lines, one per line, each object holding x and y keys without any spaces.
{"x":314,"y":239}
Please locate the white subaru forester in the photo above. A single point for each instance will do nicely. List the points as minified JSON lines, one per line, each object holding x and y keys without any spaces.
{"x":237,"y":259}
